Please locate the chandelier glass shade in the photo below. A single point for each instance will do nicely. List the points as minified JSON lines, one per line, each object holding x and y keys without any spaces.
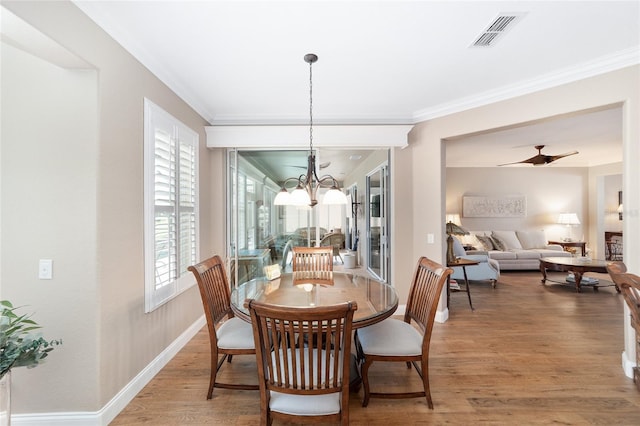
{"x":307,"y":185}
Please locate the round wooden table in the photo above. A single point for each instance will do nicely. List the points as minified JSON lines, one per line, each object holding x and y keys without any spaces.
{"x":577,"y":265}
{"x":376,"y":300}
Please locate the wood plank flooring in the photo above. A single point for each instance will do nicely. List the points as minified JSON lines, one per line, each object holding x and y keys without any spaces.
{"x":530,"y":354}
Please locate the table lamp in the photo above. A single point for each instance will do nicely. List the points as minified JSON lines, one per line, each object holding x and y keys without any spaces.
{"x":569,"y":219}
{"x":453,"y":229}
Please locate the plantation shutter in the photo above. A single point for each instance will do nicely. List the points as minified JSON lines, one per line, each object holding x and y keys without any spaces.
{"x":171,"y":205}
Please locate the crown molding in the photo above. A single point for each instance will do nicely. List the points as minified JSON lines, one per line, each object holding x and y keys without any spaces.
{"x":619,"y":60}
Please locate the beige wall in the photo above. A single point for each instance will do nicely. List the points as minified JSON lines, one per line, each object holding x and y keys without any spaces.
{"x":77,"y":140}
{"x":49,"y":148}
{"x":549,"y":192}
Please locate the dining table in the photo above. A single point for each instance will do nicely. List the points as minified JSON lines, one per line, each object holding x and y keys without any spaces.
{"x":376,"y":300}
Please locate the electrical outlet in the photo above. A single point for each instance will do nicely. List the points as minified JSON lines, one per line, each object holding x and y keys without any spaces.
{"x":45,"y":269}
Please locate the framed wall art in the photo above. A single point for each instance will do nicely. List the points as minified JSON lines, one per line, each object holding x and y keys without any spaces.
{"x":494,"y":206}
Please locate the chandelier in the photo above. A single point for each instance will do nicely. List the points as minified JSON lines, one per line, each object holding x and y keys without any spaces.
{"x":307,"y":185}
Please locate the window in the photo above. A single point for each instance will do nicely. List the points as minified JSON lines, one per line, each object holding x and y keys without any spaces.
{"x":170,"y":205}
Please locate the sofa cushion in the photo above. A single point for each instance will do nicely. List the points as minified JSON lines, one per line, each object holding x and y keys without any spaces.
{"x":503,"y":255}
{"x":551,"y":252}
{"x":508,"y":239}
{"x":527,"y":254}
{"x":532,"y":239}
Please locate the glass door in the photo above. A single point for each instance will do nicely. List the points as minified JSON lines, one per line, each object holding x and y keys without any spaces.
{"x":377,"y":225}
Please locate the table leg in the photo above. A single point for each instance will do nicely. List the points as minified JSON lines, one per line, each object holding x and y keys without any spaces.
{"x":448,"y":291}
{"x":578,"y":277}
{"x":543,"y":271}
{"x":466,"y":282}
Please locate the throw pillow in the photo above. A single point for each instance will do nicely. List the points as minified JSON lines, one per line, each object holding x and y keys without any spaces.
{"x":532,"y":239}
{"x":508,"y":238}
{"x":498,"y":244}
{"x":486,"y":242}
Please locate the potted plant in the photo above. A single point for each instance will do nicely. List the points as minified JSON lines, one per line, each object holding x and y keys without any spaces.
{"x":19,"y":347}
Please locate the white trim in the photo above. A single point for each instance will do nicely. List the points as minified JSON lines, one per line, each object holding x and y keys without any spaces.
{"x":605,"y":64}
{"x":109,"y":412}
{"x":296,"y":136}
{"x":627,"y":365}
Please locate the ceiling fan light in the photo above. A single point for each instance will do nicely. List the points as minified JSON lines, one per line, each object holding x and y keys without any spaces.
{"x":300,"y":197}
{"x":334,"y":196}
{"x":283,"y":198}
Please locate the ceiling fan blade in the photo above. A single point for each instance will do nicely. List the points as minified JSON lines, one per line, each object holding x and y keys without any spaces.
{"x":541,"y":159}
{"x":536,"y":159}
{"x":559,"y":156}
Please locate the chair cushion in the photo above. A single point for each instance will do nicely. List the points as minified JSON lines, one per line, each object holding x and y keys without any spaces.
{"x":390,"y":337}
{"x":305,"y":405}
{"x":235,"y":334}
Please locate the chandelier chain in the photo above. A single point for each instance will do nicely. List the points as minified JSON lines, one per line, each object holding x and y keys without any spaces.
{"x":311,"y":107}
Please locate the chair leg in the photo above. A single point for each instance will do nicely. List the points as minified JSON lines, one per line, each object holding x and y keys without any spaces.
{"x":424,"y":374}
{"x":365,"y":381}
{"x":215,"y":366}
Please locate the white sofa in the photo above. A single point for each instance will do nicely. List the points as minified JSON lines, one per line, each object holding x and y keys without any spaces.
{"x":514,"y":250}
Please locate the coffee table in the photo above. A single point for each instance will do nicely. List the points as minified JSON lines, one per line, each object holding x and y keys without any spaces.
{"x":577,"y":265}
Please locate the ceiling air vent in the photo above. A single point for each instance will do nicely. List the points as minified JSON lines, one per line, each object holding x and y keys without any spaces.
{"x":499,"y":26}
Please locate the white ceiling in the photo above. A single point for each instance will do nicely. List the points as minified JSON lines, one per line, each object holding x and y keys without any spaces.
{"x":241,"y":62}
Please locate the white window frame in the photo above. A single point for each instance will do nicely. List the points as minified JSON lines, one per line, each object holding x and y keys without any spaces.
{"x":181,"y":136}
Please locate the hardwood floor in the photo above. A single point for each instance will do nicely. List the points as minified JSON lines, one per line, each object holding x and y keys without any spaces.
{"x":529,"y":354}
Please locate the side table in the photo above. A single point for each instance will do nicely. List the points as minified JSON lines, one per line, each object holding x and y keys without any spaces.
{"x":581,"y":244}
{"x":463,"y":263}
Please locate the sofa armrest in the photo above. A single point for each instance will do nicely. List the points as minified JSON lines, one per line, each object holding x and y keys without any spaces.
{"x":556,"y":247}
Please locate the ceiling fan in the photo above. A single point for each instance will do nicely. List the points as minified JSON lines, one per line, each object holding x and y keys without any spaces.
{"x":542,"y":159}
{"x":320,"y":166}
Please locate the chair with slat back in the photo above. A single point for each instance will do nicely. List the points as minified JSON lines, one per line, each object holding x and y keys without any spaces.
{"x":231,"y":337}
{"x":630,"y":288}
{"x":303,"y":357}
{"x":616,"y":269}
{"x":394,"y":340}
{"x":318,"y":259}
{"x":334,"y":240}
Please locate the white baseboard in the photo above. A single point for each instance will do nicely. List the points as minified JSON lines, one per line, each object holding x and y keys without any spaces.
{"x":627,"y":365}
{"x":109,"y":412}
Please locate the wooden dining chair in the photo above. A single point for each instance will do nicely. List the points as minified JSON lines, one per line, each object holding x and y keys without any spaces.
{"x":630,"y":288}
{"x":394,"y":340}
{"x":303,"y":357}
{"x":616,"y":269}
{"x":314,"y":259}
{"x":228,"y":335}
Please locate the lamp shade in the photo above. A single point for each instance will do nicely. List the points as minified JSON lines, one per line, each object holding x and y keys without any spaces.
{"x":568,"y":219}
{"x":453,"y":218}
{"x":453,"y":229}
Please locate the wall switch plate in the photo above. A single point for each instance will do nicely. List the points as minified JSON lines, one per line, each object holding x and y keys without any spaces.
{"x":45,"y":269}
{"x":431,"y":238}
